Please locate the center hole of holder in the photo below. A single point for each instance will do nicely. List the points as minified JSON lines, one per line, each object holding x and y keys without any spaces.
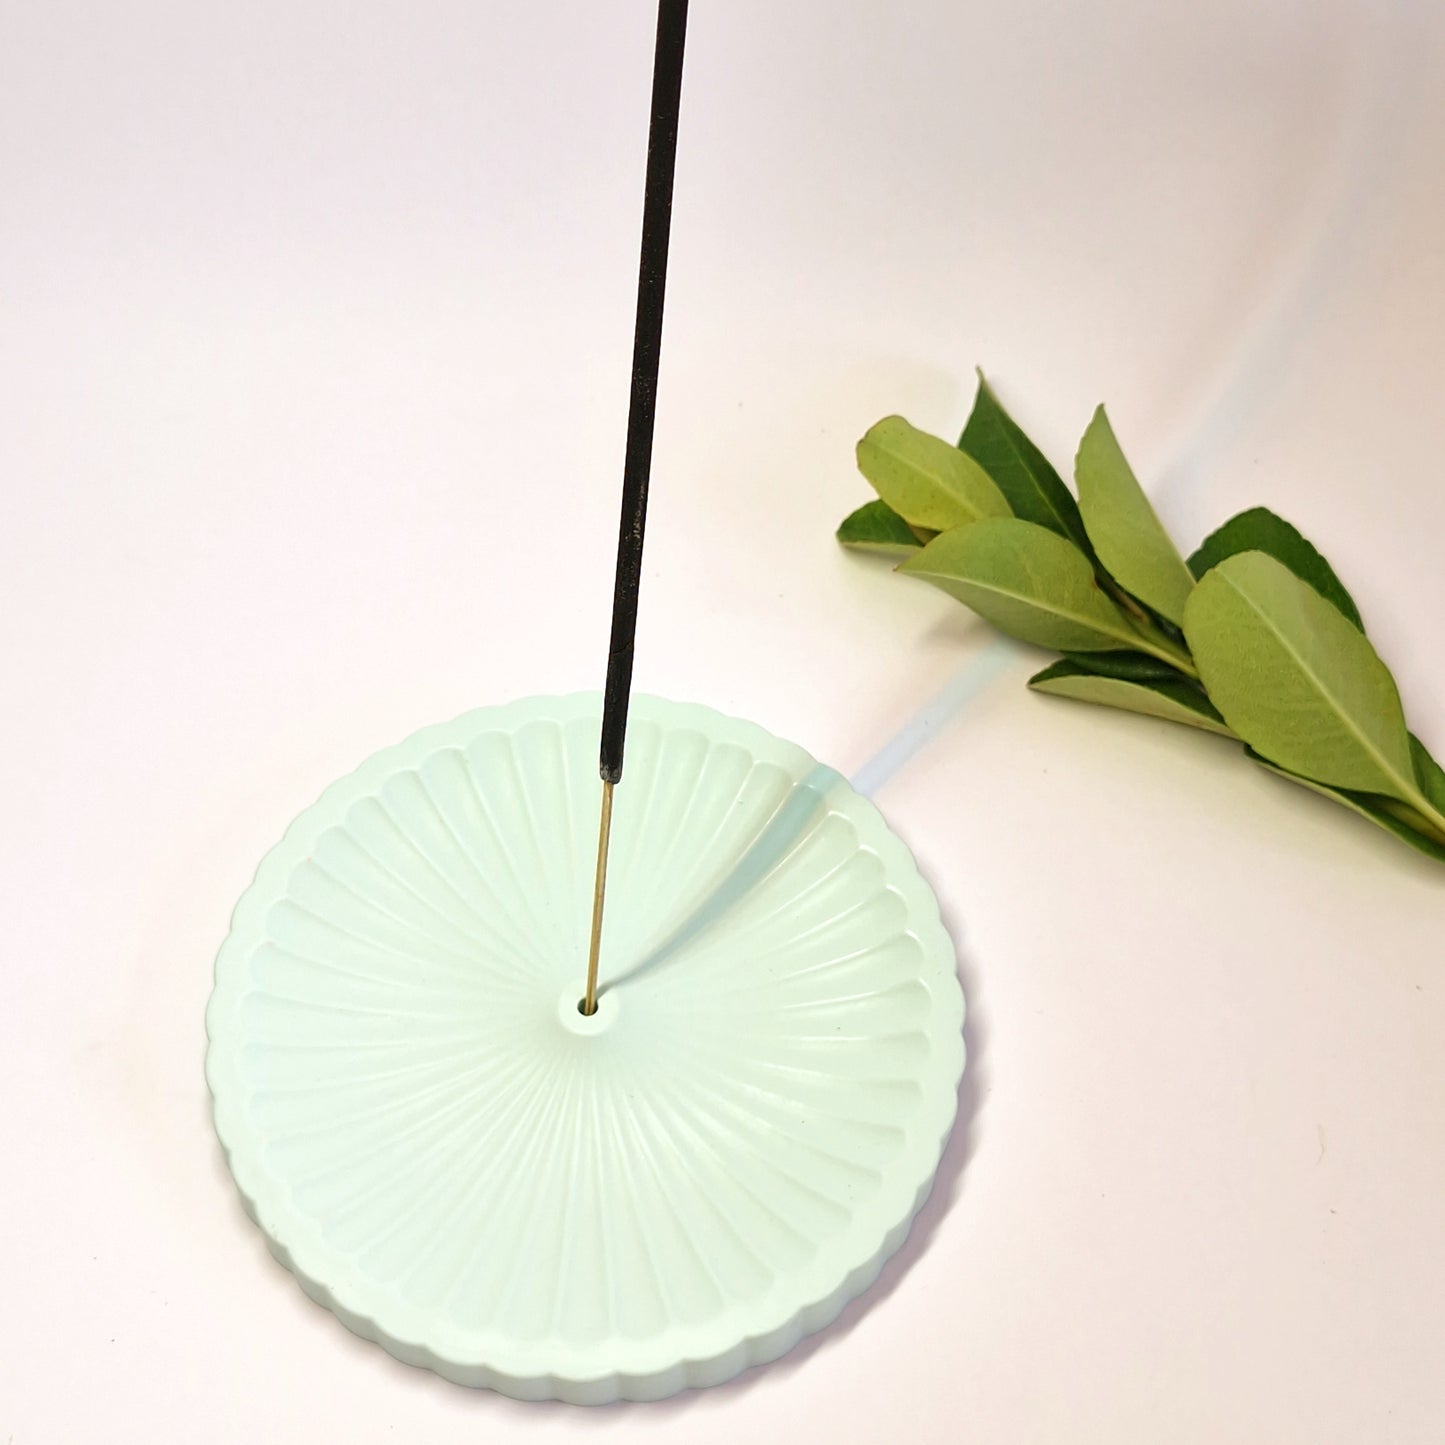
{"x":569,"y":1012}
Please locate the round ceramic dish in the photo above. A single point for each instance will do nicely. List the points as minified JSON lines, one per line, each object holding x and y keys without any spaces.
{"x":465,"y":1169}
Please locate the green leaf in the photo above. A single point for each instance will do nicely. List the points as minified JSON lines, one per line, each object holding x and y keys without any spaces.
{"x":1412,"y":818}
{"x":1028,"y":581}
{"x":1033,"y":488}
{"x":1129,"y":666}
{"x":1170,"y":699}
{"x":876,"y":527}
{"x":1260,"y":530}
{"x":1296,"y":680}
{"x":1429,"y":774}
{"x":1373,"y":808}
{"x":926,"y":481}
{"x":1127,"y":535}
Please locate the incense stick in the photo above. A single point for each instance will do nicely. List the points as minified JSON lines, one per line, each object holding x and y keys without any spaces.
{"x":637,"y":461}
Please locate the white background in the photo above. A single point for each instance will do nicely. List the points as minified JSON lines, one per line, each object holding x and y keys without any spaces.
{"x":315,"y":323}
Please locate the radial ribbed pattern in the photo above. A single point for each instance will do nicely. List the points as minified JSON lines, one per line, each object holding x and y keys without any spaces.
{"x":467,"y":1170}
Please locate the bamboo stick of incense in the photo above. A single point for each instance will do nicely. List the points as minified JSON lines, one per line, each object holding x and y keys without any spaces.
{"x":637,"y":460}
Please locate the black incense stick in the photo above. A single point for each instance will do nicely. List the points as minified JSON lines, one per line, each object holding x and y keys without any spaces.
{"x":646,"y":353}
{"x":637,"y":461}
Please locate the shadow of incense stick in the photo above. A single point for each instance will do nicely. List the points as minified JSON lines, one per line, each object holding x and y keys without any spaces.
{"x":795,"y":817}
{"x":934,"y":716}
{"x":810,"y":799}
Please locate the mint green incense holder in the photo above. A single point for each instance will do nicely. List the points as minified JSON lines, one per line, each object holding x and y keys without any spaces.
{"x":465,"y":1169}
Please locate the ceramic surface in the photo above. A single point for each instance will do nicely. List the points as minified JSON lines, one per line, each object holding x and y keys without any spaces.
{"x":465,"y":1169}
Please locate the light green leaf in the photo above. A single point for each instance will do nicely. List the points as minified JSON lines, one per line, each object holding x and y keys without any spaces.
{"x":1127,"y":535}
{"x":1296,"y":680}
{"x":1033,"y":488}
{"x":1376,"y":810}
{"x":1170,"y":699}
{"x":927,"y":482}
{"x":1260,"y":530}
{"x":1029,"y":582}
{"x":876,"y":527}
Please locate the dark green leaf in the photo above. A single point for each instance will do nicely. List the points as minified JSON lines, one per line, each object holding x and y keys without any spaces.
{"x":1260,"y":530}
{"x":1429,"y":774}
{"x":1128,"y":666}
{"x":876,"y":527}
{"x":1170,"y":699}
{"x":1033,"y":488}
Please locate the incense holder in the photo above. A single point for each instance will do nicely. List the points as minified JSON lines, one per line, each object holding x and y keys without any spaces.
{"x":462,"y":1167}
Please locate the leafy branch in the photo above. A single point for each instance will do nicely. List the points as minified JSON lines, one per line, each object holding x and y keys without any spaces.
{"x":1253,"y":637}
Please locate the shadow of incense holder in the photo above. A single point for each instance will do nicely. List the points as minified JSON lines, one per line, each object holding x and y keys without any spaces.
{"x":467,"y":1169}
